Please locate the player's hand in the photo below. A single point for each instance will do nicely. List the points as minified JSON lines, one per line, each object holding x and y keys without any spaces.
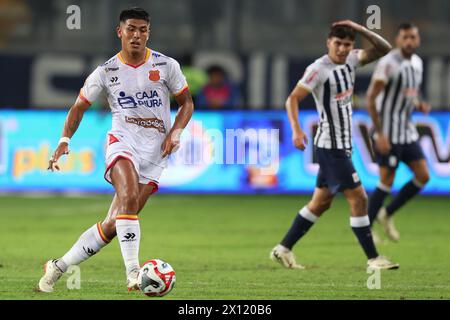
{"x":349,"y":23}
{"x":63,"y":148}
{"x":423,"y":107}
{"x":300,"y":140}
{"x":382,"y":144}
{"x":170,"y":144}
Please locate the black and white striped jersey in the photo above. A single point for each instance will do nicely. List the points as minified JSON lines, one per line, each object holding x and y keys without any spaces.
{"x":395,"y":104}
{"x":332,"y":87}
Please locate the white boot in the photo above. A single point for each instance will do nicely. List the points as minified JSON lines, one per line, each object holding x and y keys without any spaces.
{"x":51,"y":274}
{"x":387,"y":222}
{"x":285,"y":257}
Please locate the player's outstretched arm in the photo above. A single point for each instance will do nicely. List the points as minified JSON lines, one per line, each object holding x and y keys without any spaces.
{"x":380,"y":46}
{"x":184,"y":114}
{"x":71,"y":124}
{"x":381,"y":141}
{"x":299,"y":138}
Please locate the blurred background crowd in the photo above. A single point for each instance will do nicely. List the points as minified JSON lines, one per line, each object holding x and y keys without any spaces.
{"x":236,"y":54}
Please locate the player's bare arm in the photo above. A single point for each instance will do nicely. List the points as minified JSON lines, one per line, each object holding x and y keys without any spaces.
{"x":381,"y":141}
{"x":71,"y":124}
{"x":299,"y":138}
{"x":380,"y":46}
{"x":184,"y":114}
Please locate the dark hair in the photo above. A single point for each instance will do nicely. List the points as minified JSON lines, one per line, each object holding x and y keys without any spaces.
{"x":342,"y":32}
{"x":134,"y":13}
{"x":406,"y":26}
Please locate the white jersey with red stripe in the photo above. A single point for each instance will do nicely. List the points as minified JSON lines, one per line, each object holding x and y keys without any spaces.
{"x":139,"y":98}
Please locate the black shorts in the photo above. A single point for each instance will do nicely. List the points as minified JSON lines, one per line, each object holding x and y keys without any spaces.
{"x":400,"y":152}
{"x":336,"y":170}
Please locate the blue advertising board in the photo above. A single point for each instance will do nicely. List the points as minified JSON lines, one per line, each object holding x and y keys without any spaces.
{"x":221,"y":152}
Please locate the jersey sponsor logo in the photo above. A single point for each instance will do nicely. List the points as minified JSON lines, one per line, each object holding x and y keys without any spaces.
{"x":149,"y":99}
{"x":344,"y":100}
{"x":111,"y":69}
{"x":153,"y":75}
{"x":126,"y":102}
{"x":114,"y":81}
{"x":153,"y":123}
{"x":355,"y":177}
{"x":345,"y":94}
{"x":159,"y":64}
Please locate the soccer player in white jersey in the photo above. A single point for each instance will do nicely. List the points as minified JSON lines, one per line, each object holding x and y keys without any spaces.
{"x":331,"y":80}
{"x":392,"y":96}
{"x":138,"y":83}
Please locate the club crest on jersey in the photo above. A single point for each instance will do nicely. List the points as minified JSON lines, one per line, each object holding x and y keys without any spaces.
{"x":153,"y":75}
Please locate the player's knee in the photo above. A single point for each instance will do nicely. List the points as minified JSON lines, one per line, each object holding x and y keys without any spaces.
{"x":319,"y":207}
{"x":325,"y":205}
{"x":130,"y":202}
{"x":364,"y":200}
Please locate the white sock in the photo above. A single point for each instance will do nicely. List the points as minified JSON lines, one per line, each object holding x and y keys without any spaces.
{"x":282,"y":248}
{"x":88,"y":244}
{"x":129,"y":236}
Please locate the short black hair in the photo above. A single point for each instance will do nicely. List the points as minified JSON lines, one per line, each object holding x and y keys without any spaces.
{"x":134,"y":13}
{"x":406,"y":26}
{"x":342,"y":32}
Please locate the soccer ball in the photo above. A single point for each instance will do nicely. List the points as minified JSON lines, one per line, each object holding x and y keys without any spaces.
{"x":156,"y":278}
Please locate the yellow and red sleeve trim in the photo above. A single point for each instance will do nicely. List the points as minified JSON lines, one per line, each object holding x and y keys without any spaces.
{"x":127,"y":217}
{"x":101,"y":233}
{"x":179,"y":93}
{"x":82,"y":97}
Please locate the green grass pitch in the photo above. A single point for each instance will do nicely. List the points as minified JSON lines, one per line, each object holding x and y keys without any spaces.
{"x":219,"y":247}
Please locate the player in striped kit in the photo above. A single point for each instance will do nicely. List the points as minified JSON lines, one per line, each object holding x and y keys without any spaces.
{"x":392,"y":96}
{"x":138,"y":83}
{"x":331,"y":80}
